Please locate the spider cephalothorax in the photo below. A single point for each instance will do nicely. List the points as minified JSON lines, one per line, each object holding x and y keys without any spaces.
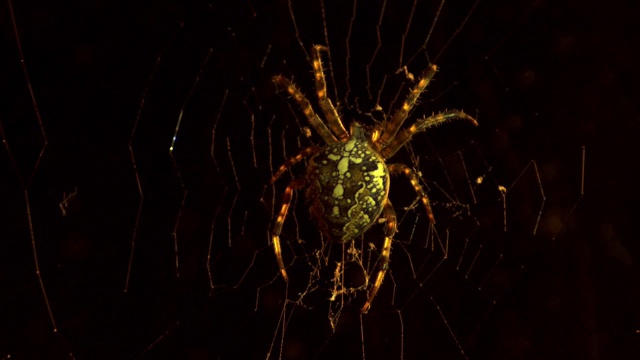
{"x":347,"y":180}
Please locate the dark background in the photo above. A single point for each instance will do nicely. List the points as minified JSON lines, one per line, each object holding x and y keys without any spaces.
{"x":544,"y":78}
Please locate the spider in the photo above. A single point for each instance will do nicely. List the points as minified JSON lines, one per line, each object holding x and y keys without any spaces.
{"x":347,"y":179}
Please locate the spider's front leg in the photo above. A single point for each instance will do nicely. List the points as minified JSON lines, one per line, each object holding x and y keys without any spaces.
{"x":389,"y":143}
{"x":390,"y":230}
{"x":392,"y":127}
{"x":328,"y":109}
{"x":421,"y":125}
{"x":306,"y":108}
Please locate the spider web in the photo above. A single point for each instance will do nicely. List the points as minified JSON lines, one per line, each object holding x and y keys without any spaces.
{"x":137,"y":211}
{"x":453,"y":275}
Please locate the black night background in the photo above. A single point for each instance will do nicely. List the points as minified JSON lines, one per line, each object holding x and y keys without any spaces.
{"x":114,"y":247}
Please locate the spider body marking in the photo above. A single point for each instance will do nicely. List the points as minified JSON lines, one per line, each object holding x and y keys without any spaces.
{"x":347,"y":180}
{"x":348,"y":185}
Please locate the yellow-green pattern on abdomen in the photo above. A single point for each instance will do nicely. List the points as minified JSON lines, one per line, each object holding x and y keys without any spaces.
{"x":348,"y":184}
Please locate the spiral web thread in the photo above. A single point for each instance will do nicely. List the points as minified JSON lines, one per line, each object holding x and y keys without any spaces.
{"x":198,"y":228}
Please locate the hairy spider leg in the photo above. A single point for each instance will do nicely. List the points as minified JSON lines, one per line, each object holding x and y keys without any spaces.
{"x":415,"y":182}
{"x":389,"y":232}
{"x":277,"y":225}
{"x":392,"y":127}
{"x":304,"y":104}
{"x":326,"y":105}
{"x":421,"y":125}
{"x":294,"y":160}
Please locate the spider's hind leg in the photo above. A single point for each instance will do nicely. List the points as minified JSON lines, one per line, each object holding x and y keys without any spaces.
{"x":415,"y":182}
{"x":294,"y":160}
{"x":277,"y":225}
{"x":390,"y":230}
{"x":286,"y":202}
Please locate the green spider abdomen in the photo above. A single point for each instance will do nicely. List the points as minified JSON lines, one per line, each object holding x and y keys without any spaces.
{"x":348,"y":184}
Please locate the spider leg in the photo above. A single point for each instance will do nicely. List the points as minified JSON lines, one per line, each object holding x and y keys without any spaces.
{"x":277,"y":225}
{"x":294,"y":160}
{"x":304,"y":104}
{"x":390,"y":230}
{"x":413,"y":178}
{"x":328,"y":109}
{"x":421,"y":125}
{"x":401,"y":114}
